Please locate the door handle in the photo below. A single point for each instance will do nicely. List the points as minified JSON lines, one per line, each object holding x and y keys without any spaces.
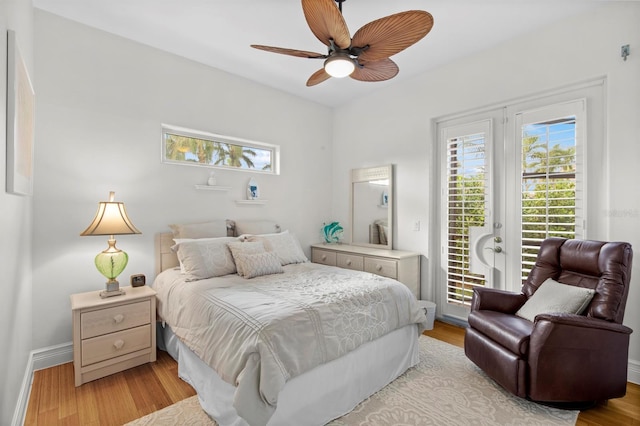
{"x":496,"y":249}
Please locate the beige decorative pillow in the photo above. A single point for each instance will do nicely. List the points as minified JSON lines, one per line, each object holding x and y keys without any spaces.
{"x":284,"y":244}
{"x":258,"y":264}
{"x":237,"y":248}
{"x":205,"y":258}
{"x":215,"y":228}
{"x":555,"y":297}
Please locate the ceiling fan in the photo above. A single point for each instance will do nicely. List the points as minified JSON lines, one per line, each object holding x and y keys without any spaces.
{"x":365,"y":57}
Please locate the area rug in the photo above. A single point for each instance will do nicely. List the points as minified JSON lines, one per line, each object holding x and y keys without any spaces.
{"x":445,"y":388}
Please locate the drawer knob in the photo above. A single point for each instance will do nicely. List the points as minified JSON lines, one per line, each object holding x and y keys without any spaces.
{"x":118,"y":344}
{"x":349,"y":262}
{"x":378,"y":268}
{"x":324,"y":257}
{"x":118,"y":318}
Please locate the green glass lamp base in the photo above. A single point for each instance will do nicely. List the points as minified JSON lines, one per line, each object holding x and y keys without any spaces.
{"x":110,"y":263}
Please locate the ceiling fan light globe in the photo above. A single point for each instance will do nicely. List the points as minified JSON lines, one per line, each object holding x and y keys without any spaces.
{"x":339,"y":66}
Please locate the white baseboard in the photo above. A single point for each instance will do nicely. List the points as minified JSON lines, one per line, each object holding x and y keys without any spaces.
{"x":633,"y":372}
{"x":52,"y":356}
{"x":39,"y":359}
{"x":23,"y":396}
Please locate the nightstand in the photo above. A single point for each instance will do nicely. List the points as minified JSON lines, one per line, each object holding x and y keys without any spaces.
{"x":112,"y":334}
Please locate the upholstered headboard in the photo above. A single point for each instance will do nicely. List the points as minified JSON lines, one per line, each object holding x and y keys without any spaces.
{"x":165,"y":257}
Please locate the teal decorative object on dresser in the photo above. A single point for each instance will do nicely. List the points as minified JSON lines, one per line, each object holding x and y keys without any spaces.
{"x":332,"y":232}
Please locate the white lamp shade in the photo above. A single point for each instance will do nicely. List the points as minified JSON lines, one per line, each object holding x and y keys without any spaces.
{"x":111,"y":219}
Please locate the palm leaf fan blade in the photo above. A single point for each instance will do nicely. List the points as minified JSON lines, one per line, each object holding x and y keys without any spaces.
{"x":318,"y":77}
{"x":381,"y":70}
{"x":290,"y":52}
{"x":326,"y":22}
{"x":390,"y":35}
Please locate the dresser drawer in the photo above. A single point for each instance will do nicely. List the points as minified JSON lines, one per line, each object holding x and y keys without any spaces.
{"x":109,"y":320}
{"x":386,"y":268}
{"x":350,"y":261}
{"x":112,"y":345}
{"x":325,"y":257}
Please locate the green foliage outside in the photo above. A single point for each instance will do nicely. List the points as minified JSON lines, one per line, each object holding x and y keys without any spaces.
{"x":548,"y":196}
{"x":202,"y":151}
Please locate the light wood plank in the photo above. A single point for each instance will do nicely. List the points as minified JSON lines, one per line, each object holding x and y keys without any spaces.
{"x":68,"y":407}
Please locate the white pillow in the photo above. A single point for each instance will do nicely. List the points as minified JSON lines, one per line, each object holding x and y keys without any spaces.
{"x":237,"y":248}
{"x":284,"y":244}
{"x":215,"y":228}
{"x":205,"y":258}
{"x":258,"y":264}
{"x":555,"y":297}
{"x":256,"y":227}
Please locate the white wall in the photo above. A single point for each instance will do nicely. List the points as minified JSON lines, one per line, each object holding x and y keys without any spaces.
{"x":101,"y":100}
{"x":16,"y":228}
{"x":395,"y":125}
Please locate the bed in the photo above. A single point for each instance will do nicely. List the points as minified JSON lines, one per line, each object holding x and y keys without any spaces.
{"x":299,"y":346}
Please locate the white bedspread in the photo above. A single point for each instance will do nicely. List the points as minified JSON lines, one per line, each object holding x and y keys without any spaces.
{"x":258,"y":333}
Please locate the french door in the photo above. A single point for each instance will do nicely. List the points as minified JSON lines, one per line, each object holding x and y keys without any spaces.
{"x":510,"y":177}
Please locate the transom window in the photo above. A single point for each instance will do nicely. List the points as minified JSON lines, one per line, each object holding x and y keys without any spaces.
{"x":196,"y":148}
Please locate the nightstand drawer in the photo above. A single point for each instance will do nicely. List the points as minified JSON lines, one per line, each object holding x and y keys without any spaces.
{"x":350,"y":261}
{"x":323,"y":256}
{"x":115,"y":344}
{"x":386,"y":268}
{"x":97,"y":323}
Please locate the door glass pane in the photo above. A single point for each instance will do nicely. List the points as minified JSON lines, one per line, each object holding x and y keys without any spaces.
{"x":466,"y":206}
{"x":548,"y":182}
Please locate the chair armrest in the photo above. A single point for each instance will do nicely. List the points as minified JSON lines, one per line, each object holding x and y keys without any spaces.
{"x":576,"y":358}
{"x":491,"y":299}
{"x":582,"y":321}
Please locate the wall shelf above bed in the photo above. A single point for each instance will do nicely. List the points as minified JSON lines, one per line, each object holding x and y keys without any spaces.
{"x":213,"y":187}
{"x":259,"y":202}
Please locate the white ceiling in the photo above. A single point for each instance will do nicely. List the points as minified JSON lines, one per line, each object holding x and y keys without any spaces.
{"x":218,"y":33}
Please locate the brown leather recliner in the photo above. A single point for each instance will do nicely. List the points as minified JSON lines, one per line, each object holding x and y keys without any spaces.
{"x":558,"y":358}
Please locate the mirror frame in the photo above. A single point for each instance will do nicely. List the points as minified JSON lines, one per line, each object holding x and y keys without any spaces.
{"x":369,"y":174}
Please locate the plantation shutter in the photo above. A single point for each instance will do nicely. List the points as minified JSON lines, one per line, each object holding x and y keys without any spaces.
{"x":550,"y":181}
{"x":467,"y":200}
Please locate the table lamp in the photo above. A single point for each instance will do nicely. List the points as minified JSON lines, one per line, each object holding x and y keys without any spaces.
{"x":111,"y":219}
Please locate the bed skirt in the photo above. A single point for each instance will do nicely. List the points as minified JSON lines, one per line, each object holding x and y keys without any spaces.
{"x":314,"y":398}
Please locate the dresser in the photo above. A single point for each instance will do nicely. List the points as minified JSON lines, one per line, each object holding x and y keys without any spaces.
{"x":112,"y":334}
{"x":403,"y":266}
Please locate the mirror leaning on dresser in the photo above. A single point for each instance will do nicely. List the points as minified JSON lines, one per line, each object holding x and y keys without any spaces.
{"x":371,"y":231}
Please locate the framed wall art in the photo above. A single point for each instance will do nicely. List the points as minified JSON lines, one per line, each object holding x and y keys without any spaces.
{"x":20,"y":121}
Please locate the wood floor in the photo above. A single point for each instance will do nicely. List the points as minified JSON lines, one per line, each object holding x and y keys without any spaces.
{"x":126,"y":396}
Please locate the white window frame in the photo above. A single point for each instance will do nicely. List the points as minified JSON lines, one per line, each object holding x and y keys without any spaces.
{"x":213,"y":137}
{"x":576,"y":108}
